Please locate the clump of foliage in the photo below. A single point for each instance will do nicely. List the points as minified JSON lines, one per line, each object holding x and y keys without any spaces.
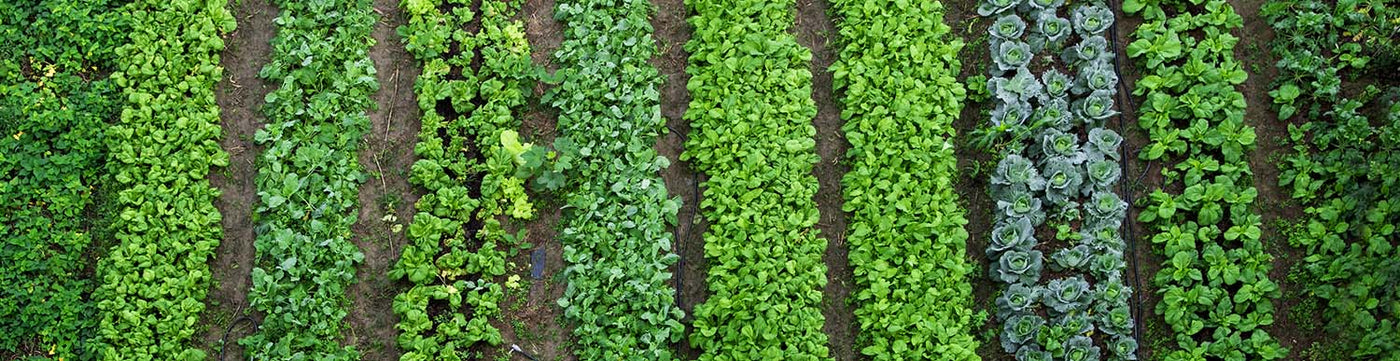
{"x":468,"y":155}
{"x":751,"y":114}
{"x":1345,"y":158}
{"x":615,"y":230}
{"x":900,"y":100}
{"x":55,"y":103}
{"x":308,"y":178}
{"x":1216,"y":267}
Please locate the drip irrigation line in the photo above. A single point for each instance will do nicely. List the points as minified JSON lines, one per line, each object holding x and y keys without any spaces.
{"x":1128,"y":228}
{"x":516,"y":348}
{"x":684,"y":229}
{"x":223,"y":344}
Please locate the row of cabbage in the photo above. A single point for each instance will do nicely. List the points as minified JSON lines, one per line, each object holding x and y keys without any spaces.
{"x":898,"y":67}
{"x":308,"y":178}
{"x":1345,"y":158}
{"x":752,"y":135}
{"x":55,"y":105}
{"x":615,"y":233}
{"x":455,"y":257}
{"x":1216,"y":294}
{"x":160,"y":153}
{"x":1056,"y":180}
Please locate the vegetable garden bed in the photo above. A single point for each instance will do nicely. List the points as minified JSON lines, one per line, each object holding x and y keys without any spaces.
{"x":698,"y":179}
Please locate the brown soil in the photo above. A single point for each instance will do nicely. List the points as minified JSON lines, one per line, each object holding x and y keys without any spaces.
{"x":532,"y":319}
{"x":1274,"y":203}
{"x":671,"y":34}
{"x":240,"y":97}
{"x":814,"y":30}
{"x":386,"y":154}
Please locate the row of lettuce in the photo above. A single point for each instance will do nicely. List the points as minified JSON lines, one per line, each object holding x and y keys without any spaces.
{"x":465,"y":166}
{"x":1346,"y":152}
{"x":143,"y":140}
{"x":897,"y":70}
{"x":1057,"y":180}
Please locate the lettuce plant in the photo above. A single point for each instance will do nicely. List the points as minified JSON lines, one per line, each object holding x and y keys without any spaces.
{"x":1066,"y":294}
{"x":1020,"y":267}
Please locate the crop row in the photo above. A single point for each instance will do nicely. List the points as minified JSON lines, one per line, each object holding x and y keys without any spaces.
{"x":898,"y":69}
{"x":1057,"y":177}
{"x":53,"y":114}
{"x":1344,"y":164}
{"x":752,"y":135}
{"x":454,"y":259}
{"x":616,"y":242}
{"x":308,"y":178}
{"x":160,"y":153}
{"x":1216,"y":294}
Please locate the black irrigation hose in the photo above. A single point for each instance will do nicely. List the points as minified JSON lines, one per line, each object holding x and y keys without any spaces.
{"x":223,"y":344}
{"x":1123,"y":94}
{"x":684,"y":228}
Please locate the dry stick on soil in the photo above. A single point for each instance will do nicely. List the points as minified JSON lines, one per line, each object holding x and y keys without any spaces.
{"x":390,"y":125}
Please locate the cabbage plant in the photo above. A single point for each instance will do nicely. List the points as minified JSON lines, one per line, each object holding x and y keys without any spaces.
{"x":1114,"y":320}
{"x":1021,"y":87}
{"x":1092,"y":19}
{"x":1015,"y":170}
{"x":1106,"y":205}
{"x":1066,"y":294}
{"x":1008,"y":27}
{"x":1095,"y":108}
{"x":1063,"y":180}
{"x":1102,"y":234}
{"x":1074,"y":322}
{"x":1112,"y":291}
{"x":1056,"y":143}
{"x":1019,"y":202}
{"x":1057,"y":85}
{"x":1011,"y":114}
{"x":1020,"y":267}
{"x":1032,"y":353}
{"x":1049,"y":31}
{"x":1123,"y":347}
{"x":1090,"y":49}
{"x":1080,"y":348}
{"x":1105,"y":141}
{"x":1102,"y":174}
{"x":1017,"y":300}
{"x":994,"y":7}
{"x":1016,"y":234}
{"x":1019,"y":330}
{"x":1106,"y":262}
{"x":1054,"y":114}
{"x":1071,"y":258}
{"x":1011,"y":55}
{"x":1043,"y":6}
{"x":1095,"y":75}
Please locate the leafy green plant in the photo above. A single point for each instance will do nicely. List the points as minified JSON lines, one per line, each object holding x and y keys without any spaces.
{"x":1215,"y":268}
{"x":308,"y":178}
{"x":470,"y":159}
{"x":160,"y":153}
{"x":765,"y":259}
{"x":55,"y":102}
{"x":617,"y":244}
